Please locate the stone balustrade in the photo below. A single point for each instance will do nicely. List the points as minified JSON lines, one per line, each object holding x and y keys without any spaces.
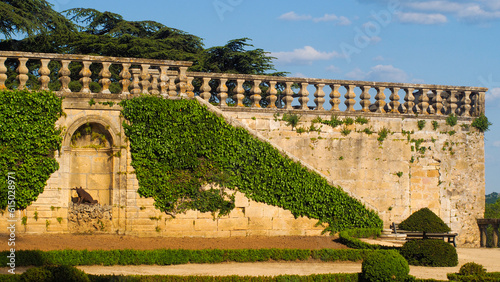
{"x":483,"y":224}
{"x":66,"y":74}
{"x":134,"y":76}
{"x":258,"y":91}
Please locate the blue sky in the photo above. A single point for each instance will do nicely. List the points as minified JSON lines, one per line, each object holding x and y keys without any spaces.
{"x":416,"y":41}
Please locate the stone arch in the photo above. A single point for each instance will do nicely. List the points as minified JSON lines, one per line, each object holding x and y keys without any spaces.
{"x":91,"y":145}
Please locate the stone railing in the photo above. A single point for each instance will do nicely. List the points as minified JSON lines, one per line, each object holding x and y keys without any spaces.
{"x":483,"y":226}
{"x":59,"y":72}
{"x":258,"y":91}
{"x":85,"y":74}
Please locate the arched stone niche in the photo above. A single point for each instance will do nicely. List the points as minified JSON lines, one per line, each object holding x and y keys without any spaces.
{"x":91,"y":152}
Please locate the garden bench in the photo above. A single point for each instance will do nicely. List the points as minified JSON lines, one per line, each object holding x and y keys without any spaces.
{"x":414,"y":235}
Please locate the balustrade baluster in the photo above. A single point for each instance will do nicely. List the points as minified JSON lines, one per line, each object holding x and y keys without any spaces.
{"x":64,"y":74}
{"x":125,"y":76}
{"x":136,"y":89}
{"x":164,"y":81}
{"x":3,"y":73}
{"x":105,"y":75}
{"x":466,"y":104}
{"x":145,"y":76}
{"x":409,"y":100}
{"x":206,"y":89}
{"x":172,"y":88}
{"x":380,"y":99}
{"x":222,"y":92}
{"x":423,"y":102}
{"x":288,"y":99}
{"x":271,"y":95}
{"x":155,"y":74}
{"x":22,"y":71}
{"x":349,"y":97}
{"x":365,"y":98}
{"x":319,"y":94}
{"x":479,"y":103}
{"x":239,"y":93}
{"x":452,"y":103}
{"x":437,"y":102}
{"x":335,"y":97}
{"x":394,"y":104}
{"x":44,"y":72}
{"x":85,"y":79}
{"x":182,"y":80}
{"x":190,"y":87}
{"x":255,"y":94}
{"x":303,"y":96}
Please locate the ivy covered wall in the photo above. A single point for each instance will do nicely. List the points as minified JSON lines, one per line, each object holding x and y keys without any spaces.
{"x":178,"y":147}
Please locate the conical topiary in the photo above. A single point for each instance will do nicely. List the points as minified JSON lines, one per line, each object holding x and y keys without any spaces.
{"x":424,"y":220}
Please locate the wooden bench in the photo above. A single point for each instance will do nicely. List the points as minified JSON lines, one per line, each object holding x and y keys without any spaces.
{"x":414,"y":235}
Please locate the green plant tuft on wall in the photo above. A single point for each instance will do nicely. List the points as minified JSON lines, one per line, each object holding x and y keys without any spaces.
{"x":178,"y":148}
{"x":481,"y":123}
{"x":28,"y":138}
{"x":421,"y":124}
{"x":451,"y":120}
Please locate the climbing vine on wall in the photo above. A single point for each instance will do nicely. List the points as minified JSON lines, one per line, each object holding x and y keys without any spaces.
{"x":28,"y":140}
{"x":178,"y":147}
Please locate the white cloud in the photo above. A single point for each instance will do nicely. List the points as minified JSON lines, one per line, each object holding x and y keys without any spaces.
{"x":472,"y":11}
{"x":299,"y":74}
{"x":493,"y":94}
{"x":437,"y":6}
{"x":386,"y":73}
{"x":332,"y":68}
{"x":333,"y":18}
{"x":304,"y":55}
{"x":379,"y":58}
{"x":292,"y":16}
{"x":421,"y":18}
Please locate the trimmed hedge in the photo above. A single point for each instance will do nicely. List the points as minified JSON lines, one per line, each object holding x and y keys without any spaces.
{"x":340,"y":277}
{"x":430,"y":252}
{"x":424,"y":220}
{"x":385,"y":266}
{"x":490,"y":276}
{"x":350,"y":238}
{"x":171,"y":256}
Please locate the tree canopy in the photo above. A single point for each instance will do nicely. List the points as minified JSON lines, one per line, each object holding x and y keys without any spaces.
{"x":30,"y":17}
{"x":91,"y":32}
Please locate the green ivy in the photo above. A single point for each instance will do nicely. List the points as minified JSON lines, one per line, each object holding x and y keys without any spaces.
{"x":178,"y":146}
{"x":481,"y":123}
{"x":28,"y":140}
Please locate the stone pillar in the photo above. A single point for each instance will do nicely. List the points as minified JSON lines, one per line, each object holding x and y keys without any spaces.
{"x":3,"y":72}
{"x":271,"y":95}
{"x":304,"y":96}
{"x":222,"y":90}
{"x":319,"y":96}
{"x":44,"y":72}
{"x":288,"y":95}
{"x":365,"y":98}
{"x":349,"y":97}
{"x":125,"y":78}
{"x":239,"y":93}
{"x":495,"y":234}
{"x":206,"y":89}
{"x":255,"y":94}
{"x":85,"y":79}
{"x":409,"y":101}
{"x":105,"y":75}
{"x":335,"y":97}
{"x":22,"y":71}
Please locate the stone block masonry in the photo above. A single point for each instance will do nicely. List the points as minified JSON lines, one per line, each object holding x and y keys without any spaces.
{"x":404,"y":158}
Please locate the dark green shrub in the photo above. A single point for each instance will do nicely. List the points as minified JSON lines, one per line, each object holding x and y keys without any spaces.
{"x":424,"y":220}
{"x":36,"y":274}
{"x":385,"y":266}
{"x":472,"y":268}
{"x":430,"y":252}
{"x":55,"y":273}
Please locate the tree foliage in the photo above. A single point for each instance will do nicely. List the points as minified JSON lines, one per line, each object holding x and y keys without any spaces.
{"x":92,"y":32}
{"x":30,"y":17}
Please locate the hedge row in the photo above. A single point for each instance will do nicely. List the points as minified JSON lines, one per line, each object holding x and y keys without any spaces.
{"x":350,"y":238}
{"x":340,"y":277}
{"x":170,"y":256}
